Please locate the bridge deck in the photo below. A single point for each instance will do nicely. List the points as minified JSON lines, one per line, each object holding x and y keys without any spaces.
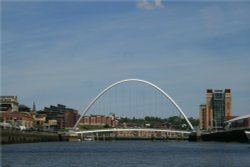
{"x":134,"y":129}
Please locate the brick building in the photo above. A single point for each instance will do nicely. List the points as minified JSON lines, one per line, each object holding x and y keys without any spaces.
{"x":62,"y":116}
{"x":217,"y":110}
{"x":17,"y":119}
{"x":99,"y":120}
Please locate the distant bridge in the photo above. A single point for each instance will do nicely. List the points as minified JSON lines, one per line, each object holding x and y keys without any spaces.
{"x":132,"y":80}
{"x":130,"y":130}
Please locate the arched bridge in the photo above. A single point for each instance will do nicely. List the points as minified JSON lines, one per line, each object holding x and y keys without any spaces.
{"x":165,"y":95}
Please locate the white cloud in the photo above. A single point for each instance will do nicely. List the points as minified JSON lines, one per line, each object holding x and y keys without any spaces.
{"x":145,"y":4}
{"x":158,"y":3}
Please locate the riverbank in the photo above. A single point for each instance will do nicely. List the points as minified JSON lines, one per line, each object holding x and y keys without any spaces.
{"x":220,"y":136}
{"x":226,"y":136}
{"x":14,"y":136}
{"x":9,"y":136}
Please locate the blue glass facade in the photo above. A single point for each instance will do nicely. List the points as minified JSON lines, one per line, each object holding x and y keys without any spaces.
{"x":218,"y":108}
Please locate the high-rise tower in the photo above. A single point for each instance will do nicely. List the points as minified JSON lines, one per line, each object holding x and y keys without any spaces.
{"x":217,"y":110}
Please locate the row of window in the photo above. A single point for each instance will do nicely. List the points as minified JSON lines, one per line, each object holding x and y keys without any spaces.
{"x":14,"y":118}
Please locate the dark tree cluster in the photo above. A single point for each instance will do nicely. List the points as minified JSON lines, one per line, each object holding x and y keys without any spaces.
{"x":174,"y":122}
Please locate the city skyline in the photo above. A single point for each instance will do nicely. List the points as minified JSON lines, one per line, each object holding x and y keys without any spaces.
{"x":68,"y":52}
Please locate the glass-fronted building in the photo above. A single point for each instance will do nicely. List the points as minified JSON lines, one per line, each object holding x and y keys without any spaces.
{"x":217,"y":110}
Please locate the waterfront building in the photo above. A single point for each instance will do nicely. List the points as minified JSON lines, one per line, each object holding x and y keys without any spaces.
{"x":102,"y":120}
{"x":217,"y":110}
{"x":17,"y":119}
{"x":203,"y":119}
{"x":8,"y":103}
{"x":11,"y":116}
{"x":63,"y":116}
{"x":39,"y":121}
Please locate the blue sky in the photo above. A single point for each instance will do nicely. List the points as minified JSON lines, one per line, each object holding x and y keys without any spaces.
{"x":67,"y":52}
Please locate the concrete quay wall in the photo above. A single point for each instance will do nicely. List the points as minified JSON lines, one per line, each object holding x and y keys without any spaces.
{"x":14,"y":137}
{"x":226,"y":136}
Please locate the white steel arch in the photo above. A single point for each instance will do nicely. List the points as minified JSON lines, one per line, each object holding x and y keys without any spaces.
{"x":134,"y":80}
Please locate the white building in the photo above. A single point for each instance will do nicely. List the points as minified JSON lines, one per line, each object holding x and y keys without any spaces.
{"x":8,"y":103}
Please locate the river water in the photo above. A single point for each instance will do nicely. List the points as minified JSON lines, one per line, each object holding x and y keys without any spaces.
{"x":126,"y":154}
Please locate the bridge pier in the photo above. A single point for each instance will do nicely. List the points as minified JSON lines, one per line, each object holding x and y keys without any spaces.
{"x":96,"y":136}
{"x":82,"y":137}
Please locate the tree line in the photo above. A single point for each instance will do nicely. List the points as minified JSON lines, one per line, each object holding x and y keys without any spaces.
{"x":174,"y":122}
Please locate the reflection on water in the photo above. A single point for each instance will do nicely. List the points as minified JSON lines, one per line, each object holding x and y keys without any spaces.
{"x":126,"y":154}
